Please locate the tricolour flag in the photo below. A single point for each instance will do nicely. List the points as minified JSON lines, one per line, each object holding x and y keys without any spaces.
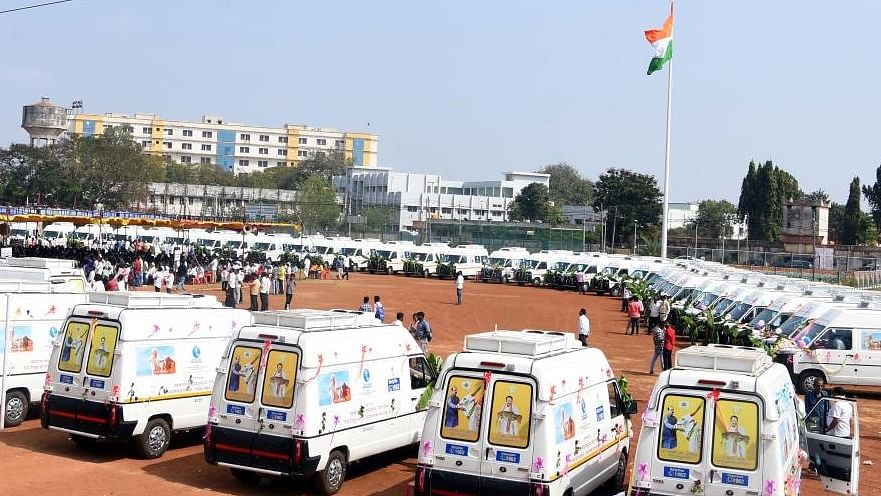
{"x":662,"y":41}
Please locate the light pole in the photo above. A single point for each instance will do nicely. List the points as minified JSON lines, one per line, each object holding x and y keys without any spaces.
{"x":99,"y":207}
{"x":695,"y":237}
{"x":635,"y":223}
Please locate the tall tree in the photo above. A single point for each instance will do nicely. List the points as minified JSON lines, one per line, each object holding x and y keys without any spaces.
{"x":747,"y":208}
{"x":531,"y":204}
{"x":851,"y":223}
{"x":567,"y":187}
{"x":714,"y":218}
{"x":873,"y":196}
{"x":316,"y":204}
{"x":628,"y":196}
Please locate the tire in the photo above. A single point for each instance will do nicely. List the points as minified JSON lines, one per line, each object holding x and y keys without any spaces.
{"x":16,"y":408}
{"x":506,"y":280}
{"x":244,"y":476}
{"x":154,"y":441}
{"x":83,"y":442}
{"x":330,"y":480}
{"x":616,"y":483}
{"x":425,"y":273}
{"x":536,"y":281}
{"x":806,"y":380}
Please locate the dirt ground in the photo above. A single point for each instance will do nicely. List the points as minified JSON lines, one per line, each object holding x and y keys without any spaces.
{"x":33,"y":460}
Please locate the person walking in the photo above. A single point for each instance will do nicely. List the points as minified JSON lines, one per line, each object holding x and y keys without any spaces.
{"x":181,"y":275}
{"x":378,"y":309}
{"x":365,"y":306}
{"x":634,"y":311}
{"x":265,"y":288}
{"x":669,"y":343}
{"x":625,"y":297}
{"x":289,"y":289}
{"x":460,"y":287}
{"x":583,"y":326}
{"x":253,"y":285}
{"x":658,"y":336}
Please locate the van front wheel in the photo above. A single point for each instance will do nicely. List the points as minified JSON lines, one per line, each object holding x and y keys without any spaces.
{"x":807,"y":379}
{"x":616,"y":483}
{"x":331,"y":478}
{"x":154,"y":441}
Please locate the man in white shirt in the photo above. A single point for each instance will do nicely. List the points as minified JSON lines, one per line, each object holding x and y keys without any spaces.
{"x":460,"y":286}
{"x":265,"y":288}
{"x":583,"y":326}
{"x":158,"y":277}
{"x":654,"y":313}
{"x":839,"y":417}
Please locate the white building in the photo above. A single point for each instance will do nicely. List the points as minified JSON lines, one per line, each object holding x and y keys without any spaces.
{"x":684,"y":215}
{"x":419,"y":197}
{"x":213,"y":140}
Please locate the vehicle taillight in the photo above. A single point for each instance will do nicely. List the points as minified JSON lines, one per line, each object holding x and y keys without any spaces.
{"x":209,"y":431}
{"x":298,"y":452}
{"x":420,"y":480}
{"x":113,"y":421}
{"x":44,"y":403}
{"x":539,"y":489}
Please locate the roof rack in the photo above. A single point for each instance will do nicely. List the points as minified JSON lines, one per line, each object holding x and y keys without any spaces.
{"x":9,"y":286}
{"x":724,"y":358}
{"x":153,"y":300}
{"x":41,"y":263}
{"x":528,"y":342}
{"x":312,"y":320}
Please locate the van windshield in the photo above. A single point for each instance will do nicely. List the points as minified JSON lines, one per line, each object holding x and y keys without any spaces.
{"x":740,"y":310}
{"x":348,"y":252}
{"x":262,"y":246}
{"x":386,"y":254}
{"x":793,"y":325}
{"x":764,"y":316}
{"x":809,"y":333}
{"x":451,"y":258}
{"x":499,"y":262}
{"x":705,"y":301}
{"x":722,"y":307}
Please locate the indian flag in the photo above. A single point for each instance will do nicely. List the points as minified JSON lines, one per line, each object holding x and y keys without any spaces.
{"x":662,"y":41}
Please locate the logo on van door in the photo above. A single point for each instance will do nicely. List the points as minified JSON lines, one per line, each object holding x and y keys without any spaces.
{"x":196,"y":352}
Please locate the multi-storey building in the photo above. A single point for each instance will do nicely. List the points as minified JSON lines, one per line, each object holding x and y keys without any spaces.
{"x":410,"y":198}
{"x":213,"y":140}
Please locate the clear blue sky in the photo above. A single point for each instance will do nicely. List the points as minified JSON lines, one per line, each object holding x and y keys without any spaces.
{"x":470,"y":89}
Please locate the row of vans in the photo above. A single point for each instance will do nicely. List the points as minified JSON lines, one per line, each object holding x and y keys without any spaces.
{"x":817,"y":330}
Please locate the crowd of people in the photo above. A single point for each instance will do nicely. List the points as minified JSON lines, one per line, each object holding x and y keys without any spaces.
{"x":419,"y":327}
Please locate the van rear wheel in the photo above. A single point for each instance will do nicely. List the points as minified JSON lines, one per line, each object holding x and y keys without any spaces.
{"x":616,"y":483}
{"x":16,"y":408}
{"x":154,"y":441}
{"x":807,"y":379}
{"x":329,"y":480}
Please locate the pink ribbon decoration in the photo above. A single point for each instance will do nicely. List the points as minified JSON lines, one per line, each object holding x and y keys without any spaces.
{"x":155,"y":330}
{"x":643,"y":471}
{"x":318,"y":371}
{"x":196,"y":327}
{"x":336,"y":421}
{"x":857,"y":357}
{"x":770,"y":488}
{"x":300,"y":422}
{"x":52,"y":310}
{"x":264,"y":357}
{"x":566,"y":465}
{"x":114,"y":391}
{"x":212,"y":411}
{"x":580,"y":387}
{"x":713,"y":395}
{"x":538,"y":464}
{"x":426,"y":448}
{"x":553,"y":393}
{"x":48,"y":380}
{"x":605,"y":437}
{"x":363,"y":354}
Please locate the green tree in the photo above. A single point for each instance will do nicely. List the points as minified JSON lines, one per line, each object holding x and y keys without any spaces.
{"x":531,"y":204}
{"x":31,"y":175}
{"x":316,"y":204}
{"x":764,"y":192}
{"x":873,"y":196}
{"x":836,"y":220}
{"x":852,"y":220}
{"x":818,"y":196}
{"x":714,"y":218}
{"x":627,"y":196}
{"x":567,"y":187}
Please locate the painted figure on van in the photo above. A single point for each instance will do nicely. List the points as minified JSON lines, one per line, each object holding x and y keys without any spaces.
{"x":472,"y":407}
{"x":735,"y":439}
{"x":249,"y":372}
{"x":509,"y":418}
{"x":101,"y":354}
{"x":279,"y":382}
{"x":453,"y":407}
{"x":691,"y":430}
{"x":668,"y":433}
{"x":235,"y":376}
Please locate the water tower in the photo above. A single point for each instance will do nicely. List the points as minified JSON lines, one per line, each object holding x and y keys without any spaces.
{"x":44,"y":121}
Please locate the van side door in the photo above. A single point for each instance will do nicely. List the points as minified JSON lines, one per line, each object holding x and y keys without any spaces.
{"x":835,"y":447}
{"x":867,"y":356}
{"x":834,"y":351}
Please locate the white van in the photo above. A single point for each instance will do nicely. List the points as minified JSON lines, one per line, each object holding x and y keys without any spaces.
{"x":56,"y":233}
{"x":726,"y":421}
{"x":33,"y":313}
{"x":388,"y":259}
{"x":421,"y":260}
{"x":467,"y":259}
{"x":524,"y":413}
{"x":842,"y":346}
{"x":21,"y":231}
{"x":357,"y":252}
{"x":136,"y":365}
{"x":39,"y":269}
{"x":533,"y":269}
{"x":501,"y":264}
{"x":305,"y":392}
{"x":438,"y":253}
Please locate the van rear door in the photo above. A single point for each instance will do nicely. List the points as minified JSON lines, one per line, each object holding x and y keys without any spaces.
{"x":507,"y":458}
{"x":836,"y":447}
{"x":733,"y":440}
{"x":679,"y":454}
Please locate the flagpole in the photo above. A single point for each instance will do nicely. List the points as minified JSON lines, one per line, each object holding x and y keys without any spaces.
{"x":666,"y":219}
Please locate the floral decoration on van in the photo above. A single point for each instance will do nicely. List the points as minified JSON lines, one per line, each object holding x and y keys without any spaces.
{"x":300,"y":422}
{"x":770,"y":487}
{"x":426,"y":448}
{"x":643,"y":471}
{"x":538,"y":465}
{"x":697,"y":488}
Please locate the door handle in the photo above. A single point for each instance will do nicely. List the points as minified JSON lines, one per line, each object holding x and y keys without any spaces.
{"x":486,"y":454}
{"x":849,"y":356}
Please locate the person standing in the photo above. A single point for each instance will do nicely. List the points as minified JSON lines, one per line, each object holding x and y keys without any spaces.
{"x":634,"y":311}
{"x":838,"y":419}
{"x":365,"y":306}
{"x":213,"y":265}
{"x":158,"y":276}
{"x":240,"y":277}
{"x":663,"y":310}
{"x":583,"y":326}
{"x":579,"y":281}
{"x":378,"y":309}
{"x":253,"y":285}
{"x":399,"y":319}
{"x":169,"y":280}
{"x":654,"y":312}
{"x":460,"y":287}
{"x":625,"y":297}
{"x":265,"y":288}
{"x":289,"y":289}
{"x":815,"y":407}
{"x":658,"y":336}
{"x":669,"y":343}
{"x":423,"y":331}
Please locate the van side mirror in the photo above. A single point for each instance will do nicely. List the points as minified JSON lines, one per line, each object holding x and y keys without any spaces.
{"x":631,"y":408}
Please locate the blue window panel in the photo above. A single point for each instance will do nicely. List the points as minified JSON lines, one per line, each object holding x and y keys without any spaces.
{"x":88,"y":128}
{"x":225,"y":147}
{"x":358,"y":151}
